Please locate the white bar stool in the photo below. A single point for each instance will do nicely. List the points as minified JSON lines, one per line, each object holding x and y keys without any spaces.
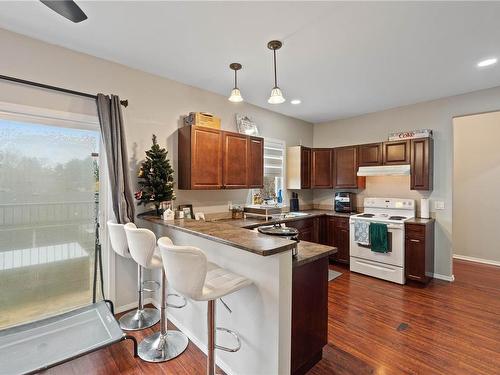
{"x":163,"y":345}
{"x":143,"y":317}
{"x":194,"y":277}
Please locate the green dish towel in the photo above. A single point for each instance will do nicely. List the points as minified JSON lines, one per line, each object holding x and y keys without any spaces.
{"x":378,"y":238}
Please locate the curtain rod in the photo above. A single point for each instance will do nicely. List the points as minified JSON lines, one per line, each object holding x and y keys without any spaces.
{"x":55,"y":88}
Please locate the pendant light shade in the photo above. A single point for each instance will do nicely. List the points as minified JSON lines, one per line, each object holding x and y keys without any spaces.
{"x":276,"y":94}
{"x":235,"y":96}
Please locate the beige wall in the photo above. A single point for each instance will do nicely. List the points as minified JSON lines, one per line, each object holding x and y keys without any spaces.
{"x":436,"y":115}
{"x":156,"y":105}
{"x":476,"y":182}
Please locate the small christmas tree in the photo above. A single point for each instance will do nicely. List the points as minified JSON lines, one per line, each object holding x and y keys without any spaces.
{"x":156,"y":178}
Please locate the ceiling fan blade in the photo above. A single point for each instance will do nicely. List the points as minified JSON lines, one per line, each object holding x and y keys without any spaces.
{"x":67,"y":9}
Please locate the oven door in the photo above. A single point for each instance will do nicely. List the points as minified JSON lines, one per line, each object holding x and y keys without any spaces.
{"x":395,"y":256}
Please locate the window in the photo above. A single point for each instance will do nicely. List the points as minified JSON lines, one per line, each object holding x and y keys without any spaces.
{"x":274,"y":155}
{"x":49,"y":183}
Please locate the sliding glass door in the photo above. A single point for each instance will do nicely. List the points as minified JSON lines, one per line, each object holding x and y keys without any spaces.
{"x":49,"y":178}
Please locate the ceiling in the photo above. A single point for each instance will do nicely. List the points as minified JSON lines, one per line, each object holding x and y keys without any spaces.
{"x":340,"y":58}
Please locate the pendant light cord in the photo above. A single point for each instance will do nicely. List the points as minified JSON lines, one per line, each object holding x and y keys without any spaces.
{"x":275,"y":76}
{"x":235,"y":79}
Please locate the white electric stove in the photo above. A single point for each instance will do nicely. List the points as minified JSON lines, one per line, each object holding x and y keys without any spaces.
{"x":388,"y":266}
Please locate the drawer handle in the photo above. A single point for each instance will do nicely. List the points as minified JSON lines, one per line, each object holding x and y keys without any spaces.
{"x":412,"y":240}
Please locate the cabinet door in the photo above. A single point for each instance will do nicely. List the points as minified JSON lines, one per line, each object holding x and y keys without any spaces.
{"x":321,"y":172}
{"x":305,"y":168}
{"x":235,"y":161}
{"x":341,"y":238}
{"x":345,"y":167}
{"x":370,"y":155}
{"x":421,"y":164}
{"x":256,"y":163}
{"x":396,"y":152}
{"x":206,"y":158}
{"x":415,"y":258}
{"x":305,"y":228}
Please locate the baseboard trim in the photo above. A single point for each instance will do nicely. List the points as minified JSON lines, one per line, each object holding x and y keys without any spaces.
{"x":132,"y":305}
{"x":199,"y":344}
{"x":442,"y":277}
{"x":477,"y":260}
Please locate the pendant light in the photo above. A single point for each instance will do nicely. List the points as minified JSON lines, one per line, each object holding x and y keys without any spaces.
{"x":235,"y":96}
{"x":276,"y":94}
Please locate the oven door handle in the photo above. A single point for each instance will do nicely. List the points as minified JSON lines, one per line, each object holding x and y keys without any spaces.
{"x":389,"y":226}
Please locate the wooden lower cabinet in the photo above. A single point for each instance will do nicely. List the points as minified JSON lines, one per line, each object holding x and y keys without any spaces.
{"x":309,"y":314}
{"x":419,"y":251}
{"x":309,"y":229}
{"x":337,"y":234}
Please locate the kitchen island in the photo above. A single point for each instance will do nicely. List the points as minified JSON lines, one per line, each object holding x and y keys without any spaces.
{"x":282,"y":317}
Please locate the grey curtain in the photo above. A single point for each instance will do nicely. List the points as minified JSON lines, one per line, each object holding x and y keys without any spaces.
{"x":113,"y":135}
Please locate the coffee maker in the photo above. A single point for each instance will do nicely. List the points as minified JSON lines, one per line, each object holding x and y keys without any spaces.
{"x":345,"y":202}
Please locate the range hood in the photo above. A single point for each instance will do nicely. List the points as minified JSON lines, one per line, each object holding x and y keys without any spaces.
{"x":385,"y":170}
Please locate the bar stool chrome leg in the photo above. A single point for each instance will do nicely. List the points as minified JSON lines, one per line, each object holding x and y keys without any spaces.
{"x":164,"y":345}
{"x":143,"y":317}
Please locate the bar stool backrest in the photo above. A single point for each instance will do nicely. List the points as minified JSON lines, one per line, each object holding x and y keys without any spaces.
{"x":141,"y":244}
{"x":185,"y":267}
{"x":118,"y":239}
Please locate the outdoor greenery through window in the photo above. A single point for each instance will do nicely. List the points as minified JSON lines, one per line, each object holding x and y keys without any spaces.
{"x":48,"y":188}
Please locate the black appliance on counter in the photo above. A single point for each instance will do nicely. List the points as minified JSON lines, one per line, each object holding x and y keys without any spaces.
{"x":345,"y":202}
{"x":282,"y":231}
{"x":294,"y":202}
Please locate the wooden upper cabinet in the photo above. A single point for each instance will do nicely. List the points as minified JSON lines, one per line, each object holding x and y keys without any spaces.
{"x":200,"y":158}
{"x":370,"y":155}
{"x":421,"y":164}
{"x":345,"y":168}
{"x":298,"y":167}
{"x":396,"y":152}
{"x":256,"y":163}
{"x":305,"y":168}
{"x":236,"y":154}
{"x":321,"y":168}
{"x":214,"y":159}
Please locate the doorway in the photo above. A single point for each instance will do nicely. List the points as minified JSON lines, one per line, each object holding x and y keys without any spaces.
{"x":476,"y":182}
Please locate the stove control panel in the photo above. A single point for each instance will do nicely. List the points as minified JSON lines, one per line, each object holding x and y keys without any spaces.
{"x":391,"y":203}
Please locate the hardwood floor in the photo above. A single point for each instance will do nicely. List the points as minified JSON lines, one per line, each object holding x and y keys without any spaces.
{"x":375,"y":327}
{"x":452,"y":328}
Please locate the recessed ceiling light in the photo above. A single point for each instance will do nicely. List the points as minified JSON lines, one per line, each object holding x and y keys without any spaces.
{"x":296,"y":101}
{"x":487,"y":62}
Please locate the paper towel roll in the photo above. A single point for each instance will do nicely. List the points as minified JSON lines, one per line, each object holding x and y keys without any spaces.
{"x":425,"y":208}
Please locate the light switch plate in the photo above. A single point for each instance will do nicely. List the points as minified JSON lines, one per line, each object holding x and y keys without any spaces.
{"x":439,"y":205}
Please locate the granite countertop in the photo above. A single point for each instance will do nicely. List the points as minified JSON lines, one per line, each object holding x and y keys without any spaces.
{"x":309,"y":252}
{"x":252,"y":222}
{"x":232,"y":235}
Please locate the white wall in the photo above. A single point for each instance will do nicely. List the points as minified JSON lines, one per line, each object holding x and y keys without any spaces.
{"x":476,"y":181}
{"x":436,"y":115}
{"x":156,"y":105}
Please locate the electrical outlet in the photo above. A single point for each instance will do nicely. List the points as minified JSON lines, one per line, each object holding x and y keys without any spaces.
{"x":439,"y":205}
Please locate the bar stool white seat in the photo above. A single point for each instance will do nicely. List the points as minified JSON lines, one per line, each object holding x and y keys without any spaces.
{"x":143,"y":317}
{"x":194,"y":277}
{"x":166,"y":344}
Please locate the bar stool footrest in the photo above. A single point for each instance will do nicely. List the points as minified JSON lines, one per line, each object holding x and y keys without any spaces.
{"x":184,"y":301}
{"x":155,"y":285}
{"x":235,"y":335}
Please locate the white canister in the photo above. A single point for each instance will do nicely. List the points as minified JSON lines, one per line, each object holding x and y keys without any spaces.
{"x":425,"y":208}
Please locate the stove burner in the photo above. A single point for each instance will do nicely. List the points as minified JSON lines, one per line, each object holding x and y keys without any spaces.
{"x":366,"y":215}
{"x":397,"y":217}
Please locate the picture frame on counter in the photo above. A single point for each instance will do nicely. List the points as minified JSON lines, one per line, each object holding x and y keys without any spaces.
{"x":187,"y":209}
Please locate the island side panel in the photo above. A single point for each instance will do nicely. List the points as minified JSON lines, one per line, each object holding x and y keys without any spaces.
{"x":261,"y":313}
